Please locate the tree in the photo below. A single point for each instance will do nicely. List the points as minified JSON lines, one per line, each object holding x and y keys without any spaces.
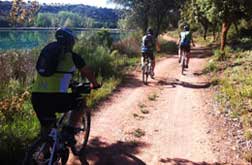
{"x":227,"y":11}
{"x":154,"y":13}
{"x":43,"y":20}
{"x":22,"y":12}
{"x":192,"y":14}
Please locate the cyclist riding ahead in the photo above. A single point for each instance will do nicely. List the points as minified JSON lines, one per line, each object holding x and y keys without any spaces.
{"x":185,"y":40}
{"x":56,"y":64}
{"x":147,"y":49}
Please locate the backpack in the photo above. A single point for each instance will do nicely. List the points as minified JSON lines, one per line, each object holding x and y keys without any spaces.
{"x":148,"y":42}
{"x":48,"y":59}
{"x":185,"y":38}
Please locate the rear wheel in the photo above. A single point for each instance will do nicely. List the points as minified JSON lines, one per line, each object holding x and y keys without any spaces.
{"x":183,"y":62}
{"x":145,"y":73}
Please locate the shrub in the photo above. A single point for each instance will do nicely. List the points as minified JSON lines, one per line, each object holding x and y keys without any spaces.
{"x":130,"y":45}
{"x":168,"y":46}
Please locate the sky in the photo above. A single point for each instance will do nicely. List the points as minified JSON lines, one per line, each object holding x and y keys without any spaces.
{"x":97,"y":3}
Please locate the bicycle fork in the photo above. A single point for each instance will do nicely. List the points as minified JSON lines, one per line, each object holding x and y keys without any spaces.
{"x":55,"y":136}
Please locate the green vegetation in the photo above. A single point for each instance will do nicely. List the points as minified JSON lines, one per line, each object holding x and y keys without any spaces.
{"x":216,"y":15}
{"x":144,"y":111}
{"x":31,"y":13}
{"x":233,"y":77}
{"x":152,"y":97}
{"x":63,"y":18}
{"x":158,"y":14}
{"x":138,"y":133}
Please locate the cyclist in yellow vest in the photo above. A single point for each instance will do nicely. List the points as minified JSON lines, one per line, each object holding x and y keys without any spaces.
{"x":50,"y":93}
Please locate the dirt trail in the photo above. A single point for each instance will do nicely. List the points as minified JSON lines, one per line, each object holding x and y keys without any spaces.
{"x":161,"y":123}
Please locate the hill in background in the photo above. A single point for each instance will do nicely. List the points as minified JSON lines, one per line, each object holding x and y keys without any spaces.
{"x":103,"y":17}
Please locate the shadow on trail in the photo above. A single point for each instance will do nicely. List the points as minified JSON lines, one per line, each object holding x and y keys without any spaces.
{"x":175,"y":82}
{"x":131,"y":81}
{"x":179,"y":161}
{"x":102,"y":153}
{"x":201,"y":52}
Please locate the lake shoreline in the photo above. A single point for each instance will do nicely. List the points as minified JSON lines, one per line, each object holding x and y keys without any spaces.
{"x":54,"y":28}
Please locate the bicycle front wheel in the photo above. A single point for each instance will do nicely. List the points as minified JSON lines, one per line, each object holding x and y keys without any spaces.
{"x":42,"y":152}
{"x":82,"y":133}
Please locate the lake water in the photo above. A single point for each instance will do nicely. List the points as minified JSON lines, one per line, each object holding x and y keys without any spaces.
{"x":28,"y":39}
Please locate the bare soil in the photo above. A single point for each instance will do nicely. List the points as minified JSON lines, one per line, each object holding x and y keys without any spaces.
{"x":168,"y":121}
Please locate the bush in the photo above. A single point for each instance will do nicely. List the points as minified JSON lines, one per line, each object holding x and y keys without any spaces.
{"x":130,"y":46}
{"x":17,"y":66}
{"x":168,"y":46}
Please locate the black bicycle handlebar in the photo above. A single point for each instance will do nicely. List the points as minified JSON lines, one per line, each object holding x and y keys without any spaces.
{"x":81,"y":88}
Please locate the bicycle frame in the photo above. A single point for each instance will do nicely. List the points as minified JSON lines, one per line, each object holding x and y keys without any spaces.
{"x":55,"y":136}
{"x":56,"y":143}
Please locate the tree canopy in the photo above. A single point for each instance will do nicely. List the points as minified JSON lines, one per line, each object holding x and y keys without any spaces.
{"x":215,"y":12}
{"x":158,"y":14}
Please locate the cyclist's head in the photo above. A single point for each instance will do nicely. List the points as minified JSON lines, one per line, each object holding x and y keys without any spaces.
{"x":65,"y":36}
{"x":186,"y":28}
{"x":150,"y":31}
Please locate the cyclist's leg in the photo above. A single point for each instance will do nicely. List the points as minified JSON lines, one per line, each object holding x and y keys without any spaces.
{"x":142,"y":59}
{"x":188,"y":56}
{"x":179,"y":53}
{"x":42,"y":105}
{"x":182,"y":51}
{"x":153,"y":63}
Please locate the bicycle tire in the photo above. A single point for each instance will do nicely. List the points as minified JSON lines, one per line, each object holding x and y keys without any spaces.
{"x":35,"y":155}
{"x":32,"y":154}
{"x":145,"y":73}
{"x":83,"y":134}
{"x":183,"y":62}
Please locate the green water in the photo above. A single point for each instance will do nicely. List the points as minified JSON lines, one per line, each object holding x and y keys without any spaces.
{"x":19,"y":39}
{"x":28,"y":39}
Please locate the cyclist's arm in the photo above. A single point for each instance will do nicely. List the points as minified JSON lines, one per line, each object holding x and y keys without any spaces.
{"x":89,"y":74}
{"x":84,"y":69}
{"x":179,"y":39}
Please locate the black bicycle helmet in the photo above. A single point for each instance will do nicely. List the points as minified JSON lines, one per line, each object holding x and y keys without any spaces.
{"x":150,"y":31}
{"x":186,"y":28}
{"x":65,"y":36}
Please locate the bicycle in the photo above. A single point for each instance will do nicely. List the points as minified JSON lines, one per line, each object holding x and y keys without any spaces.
{"x":54,"y":149}
{"x":146,"y":69}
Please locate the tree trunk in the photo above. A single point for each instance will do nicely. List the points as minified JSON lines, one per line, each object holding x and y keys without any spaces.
{"x":204,"y":24}
{"x":145,"y":26}
{"x":224,"y":31}
{"x":214,"y":32}
{"x":205,"y":32}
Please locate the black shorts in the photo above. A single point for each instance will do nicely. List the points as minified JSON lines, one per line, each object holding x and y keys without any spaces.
{"x":186,"y":48}
{"x":47,"y":104}
{"x":150,"y":55}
